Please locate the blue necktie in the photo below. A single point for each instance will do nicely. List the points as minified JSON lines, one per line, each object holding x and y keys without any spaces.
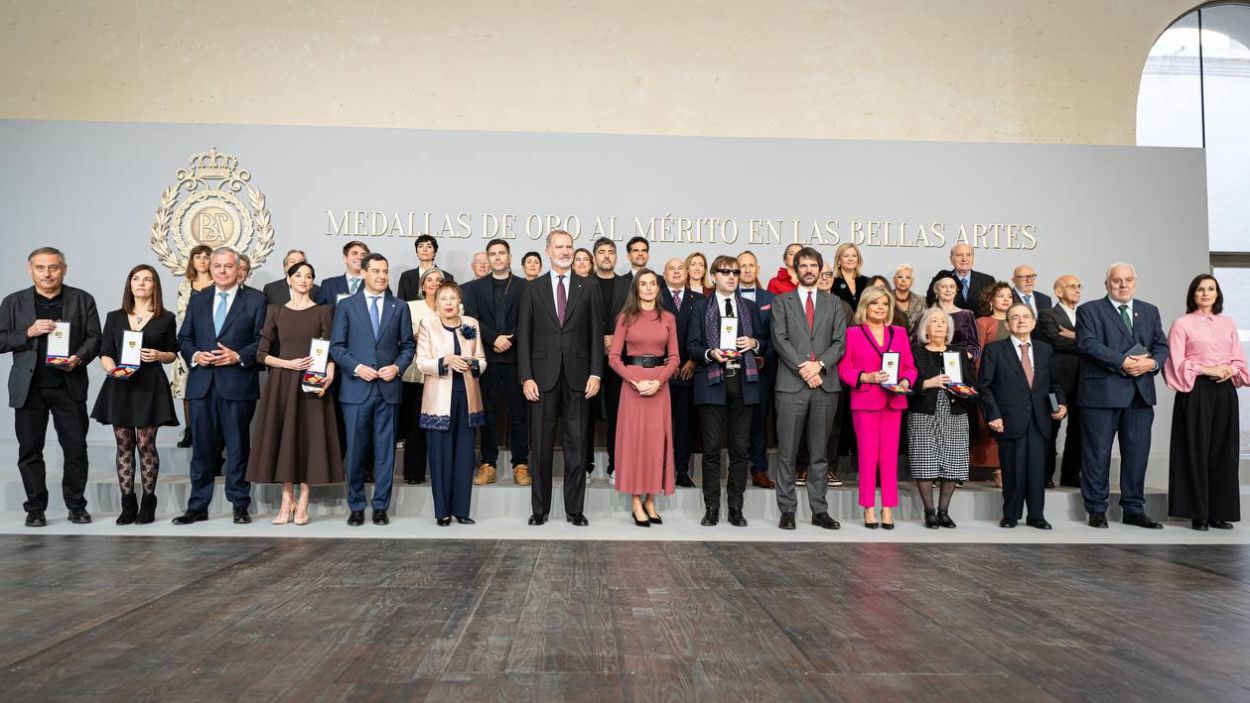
{"x":353,"y":284}
{"x":376,"y":315}
{"x":963,"y":284}
{"x":219,"y":317}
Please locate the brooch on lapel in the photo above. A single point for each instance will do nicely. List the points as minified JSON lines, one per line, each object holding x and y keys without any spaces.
{"x":468,"y":332}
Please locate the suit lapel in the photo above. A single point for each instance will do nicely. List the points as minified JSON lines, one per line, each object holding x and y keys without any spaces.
{"x":388,"y":311}
{"x":233,"y":313}
{"x":575,"y":297}
{"x":546,"y":298}
{"x":1119,"y":323}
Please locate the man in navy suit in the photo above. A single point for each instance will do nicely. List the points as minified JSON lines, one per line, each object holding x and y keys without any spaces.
{"x":1023,"y":290}
{"x":1122,"y":349}
{"x":970,"y":282}
{"x":726,"y":386}
{"x":218,"y":340}
{"x":676,"y":298}
{"x":372,"y":344}
{"x":1015,"y":384}
{"x":336,"y":287}
{"x":749,"y":288}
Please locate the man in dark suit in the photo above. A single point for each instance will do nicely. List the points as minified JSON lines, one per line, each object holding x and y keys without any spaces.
{"x":410,"y":282}
{"x":1057,"y":327}
{"x":560,"y":363}
{"x":612,"y":287}
{"x":971,"y":283}
{"x":1023,"y":283}
{"x":218,"y":340}
{"x":808,"y":338}
{"x":336,"y":288}
{"x":494,"y":301}
{"x":279,"y":292}
{"x":680,"y":300}
{"x":1122,"y":349}
{"x":371,"y":344}
{"x":749,"y":288}
{"x":726,"y":386}
{"x":1015,"y":385}
{"x":39,"y":387}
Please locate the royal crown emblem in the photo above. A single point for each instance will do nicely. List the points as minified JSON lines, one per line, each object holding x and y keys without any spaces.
{"x":204,"y":207}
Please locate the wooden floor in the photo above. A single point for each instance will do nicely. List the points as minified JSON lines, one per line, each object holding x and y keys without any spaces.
{"x":167,"y":619}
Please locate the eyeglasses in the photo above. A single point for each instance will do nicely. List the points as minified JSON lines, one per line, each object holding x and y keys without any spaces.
{"x":827,"y":274}
{"x":728,"y":272}
{"x":1032,"y":277}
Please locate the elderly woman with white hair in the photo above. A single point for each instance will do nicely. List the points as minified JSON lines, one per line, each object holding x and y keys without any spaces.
{"x":911,"y":305}
{"x":937,"y":424}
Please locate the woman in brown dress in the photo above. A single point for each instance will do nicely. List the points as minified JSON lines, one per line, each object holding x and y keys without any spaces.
{"x":295,"y":439}
{"x":991,"y":327}
{"x":645,"y":356}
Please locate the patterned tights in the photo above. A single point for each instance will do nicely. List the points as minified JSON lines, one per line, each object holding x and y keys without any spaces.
{"x":151,"y":461}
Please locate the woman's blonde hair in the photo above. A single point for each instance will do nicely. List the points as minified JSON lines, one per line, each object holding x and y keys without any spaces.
{"x":870,"y":294}
{"x":837,"y":258}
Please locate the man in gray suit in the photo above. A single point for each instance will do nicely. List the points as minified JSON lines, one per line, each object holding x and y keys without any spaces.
{"x":809,"y":336}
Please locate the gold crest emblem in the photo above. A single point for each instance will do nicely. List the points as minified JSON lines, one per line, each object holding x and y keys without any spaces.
{"x":211,"y":213}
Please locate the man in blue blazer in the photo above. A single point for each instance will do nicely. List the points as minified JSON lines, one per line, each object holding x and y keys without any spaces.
{"x":218,"y":340}
{"x":726,"y":387}
{"x":372,"y":344}
{"x":1122,"y":349}
{"x":680,"y":300}
{"x":749,"y":288}
{"x":335,"y":288}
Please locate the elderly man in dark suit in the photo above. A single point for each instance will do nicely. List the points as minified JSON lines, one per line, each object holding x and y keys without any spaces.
{"x":40,"y":386}
{"x":1024,"y":290}
{"x":218,"y":340}
{"x":680,"y":300}
{"x":560,"y":362}
{"x":372,"y":344}
{"x":1057,"y":327}
{"x":1015,"y":387}
{"x":971,"y":283}
{"x":1122,"y":349}
{"x":279,"y":292}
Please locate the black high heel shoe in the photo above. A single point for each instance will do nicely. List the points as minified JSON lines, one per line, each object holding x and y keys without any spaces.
{"x":655,"y":519}
{"x":466,"y":520}
{"x":640,"y":523}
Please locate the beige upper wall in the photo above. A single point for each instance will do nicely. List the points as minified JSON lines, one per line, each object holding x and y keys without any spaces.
{"x":965,"y":70}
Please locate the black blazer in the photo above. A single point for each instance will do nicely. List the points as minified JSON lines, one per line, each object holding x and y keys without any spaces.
{"x":684,"y":316}
{"x":410,"y":284}
{"x":1005,"y":392}
{"x":1067,"y":357}
{"x":544,"y":346}
{"x":17,"y":312}
{"x":479,"y":303}
{"x":279,"y":293}
{"x":619,"y":293}
{"x":928,"y":365}
{"x":977,"y":282}
{"x":843,"y":291}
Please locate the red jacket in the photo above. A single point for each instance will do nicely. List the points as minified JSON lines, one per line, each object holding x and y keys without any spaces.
{"x":781,"y":283}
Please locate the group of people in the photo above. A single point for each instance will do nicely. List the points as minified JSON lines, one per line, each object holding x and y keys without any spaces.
{"x":695,"y":357}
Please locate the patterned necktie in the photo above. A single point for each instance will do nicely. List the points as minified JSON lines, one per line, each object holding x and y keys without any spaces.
{"x":810,"y":309}
{"x":677,"y":299}
{"x":1128,"y":321}
{"x":219,"y":317}
{"x":376,"y":314}
{"x":1026,"y":363}
{"x":963,"y":287}
{"x":353,"y":285}
{"x":562,"y":300}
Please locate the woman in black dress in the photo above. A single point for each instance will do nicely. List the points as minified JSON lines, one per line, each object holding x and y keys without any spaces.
{"x":137,"y":400}
{"x":848,"y":281}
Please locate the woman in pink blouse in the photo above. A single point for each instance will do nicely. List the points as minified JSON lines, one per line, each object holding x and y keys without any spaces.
{"x":1205,"y":366}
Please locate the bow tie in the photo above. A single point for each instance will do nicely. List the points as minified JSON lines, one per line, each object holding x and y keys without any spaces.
{"x":747,"y":290}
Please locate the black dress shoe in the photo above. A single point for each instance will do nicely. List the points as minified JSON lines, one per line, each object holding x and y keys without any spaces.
{"x":787,"y":521}
{"x":823,"y":520}
{"x":36,"y":518}
{"x":444,"y":521}
{"x":1142,"y":520}
{"x":241,"y":517}
{"x":1039,"y":523}
{"x":356,"y":519}
{"x":190,"y":516}
{"x":537,"y":519}
{"x":466,"y":521}
{"x":944,"y":519}
{"x":380,"y":518}
{"x":1007,"y":522}
{"x":736,"y":519}
{"x":930,"y":520}
{"x":578,"y":520}
{"x":411,"y":481}
{"x":685,"y":481}
{"x":1221,"y":524}
{"x":1098,"y":520}
{"x":1050,"y":484}
{"x":186,"y":439}
{"x":78,"y":516}
{"x":1200,"y":525}
{"x":710,"y":517}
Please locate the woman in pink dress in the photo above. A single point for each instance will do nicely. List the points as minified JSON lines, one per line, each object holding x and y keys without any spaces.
{"x":1205,"y":366}
{"x":876,"y":412}
{"x":645,"y":356}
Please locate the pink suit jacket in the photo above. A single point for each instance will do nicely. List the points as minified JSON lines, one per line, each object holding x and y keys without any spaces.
{"x":862,"y":357}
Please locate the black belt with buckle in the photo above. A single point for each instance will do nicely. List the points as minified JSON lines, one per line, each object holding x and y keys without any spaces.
{"x":647,"y":361}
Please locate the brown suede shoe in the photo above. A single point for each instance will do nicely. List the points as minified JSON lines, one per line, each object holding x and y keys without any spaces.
{"x":485,"y":475}
{"x":521,"y":475}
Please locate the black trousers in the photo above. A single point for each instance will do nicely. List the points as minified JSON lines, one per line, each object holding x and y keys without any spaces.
{"x":69,"y":418}
{"x":727,"y":425}
{"x":416,"y":453}
{"x":501,"y":389}
{"x":1070,"y":469}
{"x":562,"y":407}
{"x":681,"y":399}
{"x":609,"y":399}
{"x":1022,"y":461}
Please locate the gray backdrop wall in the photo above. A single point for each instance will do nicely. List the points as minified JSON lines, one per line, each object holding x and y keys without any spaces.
{"x":91,"y":189}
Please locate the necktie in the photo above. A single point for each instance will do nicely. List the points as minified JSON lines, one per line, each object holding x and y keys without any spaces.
{"x":677,"y":299}
{"x":1026,"y":363}
{"x":375,"y":314}
{"x":729,"y":309}
{"x":353,"y":284}
{"x":219,"y":317}
{"x":1128,"y":321}
{"x":1028,"y":300}
{"x":810,"y":309}
{"x":963,"y":286}
{"x":562,"y":300}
